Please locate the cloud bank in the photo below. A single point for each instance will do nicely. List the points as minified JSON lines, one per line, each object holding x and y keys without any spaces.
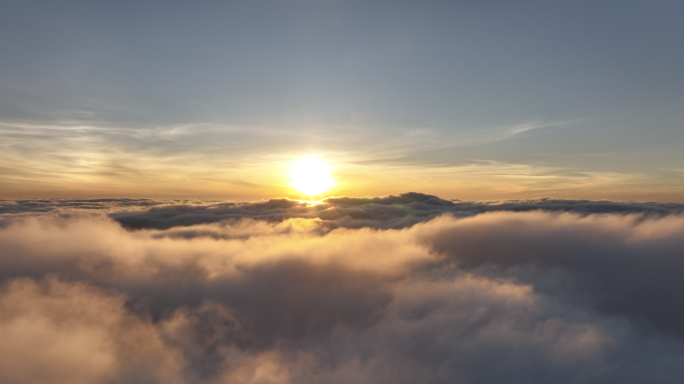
{"x":397,"y":289}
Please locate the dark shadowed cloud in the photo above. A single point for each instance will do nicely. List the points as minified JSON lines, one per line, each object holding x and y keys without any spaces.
{"x":350,"y":212}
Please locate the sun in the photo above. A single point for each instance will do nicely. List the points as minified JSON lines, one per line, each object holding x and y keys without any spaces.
{"x":311,"y":176}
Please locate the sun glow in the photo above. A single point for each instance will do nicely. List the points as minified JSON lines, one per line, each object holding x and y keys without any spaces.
{"x":311,"y":176}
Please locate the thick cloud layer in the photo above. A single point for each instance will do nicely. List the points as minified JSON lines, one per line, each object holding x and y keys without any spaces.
{"x":379,"y":212}
{"x":401,"y":289}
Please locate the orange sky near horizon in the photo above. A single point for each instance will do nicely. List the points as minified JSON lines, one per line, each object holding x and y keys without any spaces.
{"x":270,"y":178}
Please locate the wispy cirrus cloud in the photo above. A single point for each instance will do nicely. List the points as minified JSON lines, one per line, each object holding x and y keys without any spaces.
{"x":53,"y":160}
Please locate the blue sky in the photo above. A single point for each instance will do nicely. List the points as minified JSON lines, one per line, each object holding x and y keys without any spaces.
{"x":517,"y":99}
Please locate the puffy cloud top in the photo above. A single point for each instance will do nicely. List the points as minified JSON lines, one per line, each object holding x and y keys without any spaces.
{"x":398,"y":289}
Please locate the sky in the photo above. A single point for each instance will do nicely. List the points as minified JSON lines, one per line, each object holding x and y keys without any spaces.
{"x":473,"y":100}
